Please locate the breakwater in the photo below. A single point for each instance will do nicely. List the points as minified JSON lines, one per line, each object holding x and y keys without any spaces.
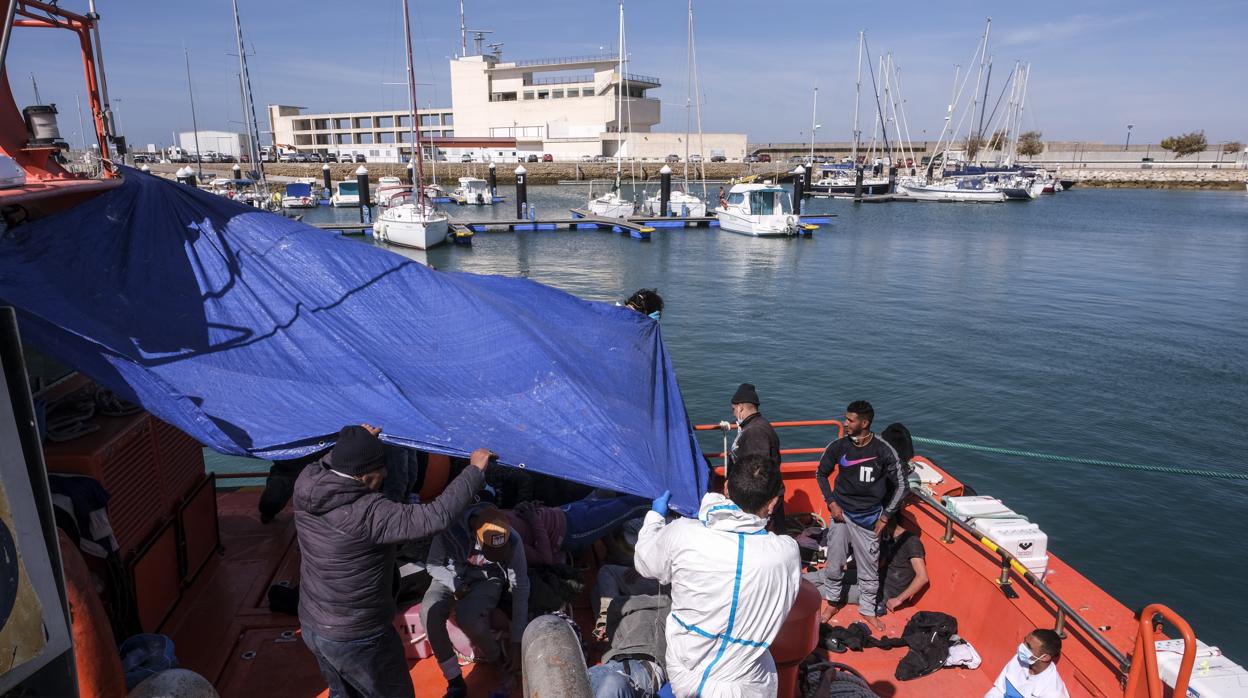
{"x":1156,"y":179}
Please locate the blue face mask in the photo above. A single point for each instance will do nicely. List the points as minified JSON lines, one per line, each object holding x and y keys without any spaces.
{"x":656,"y":315}
{"x":1024,"y":655}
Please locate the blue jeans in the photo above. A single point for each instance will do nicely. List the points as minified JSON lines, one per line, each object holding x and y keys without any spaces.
{"x":588,"y":520}
{"x":622,"y":679}
{"x":373,"y":667}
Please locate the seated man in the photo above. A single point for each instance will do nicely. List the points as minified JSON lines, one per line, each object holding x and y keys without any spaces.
{"x":470,"y":562}
{"x":902,"y":567}
{"x":633,"y":667}
{"x":1031,"y":673}
{"x":733,"y":584}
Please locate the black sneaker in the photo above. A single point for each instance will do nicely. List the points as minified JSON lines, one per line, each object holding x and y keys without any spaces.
{"x":457,"y":688}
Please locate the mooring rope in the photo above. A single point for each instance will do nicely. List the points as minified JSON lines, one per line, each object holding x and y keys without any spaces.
{"x":1144,"y":467}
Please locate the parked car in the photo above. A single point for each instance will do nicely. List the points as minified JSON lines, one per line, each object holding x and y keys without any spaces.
{"x":719,"y":158}
{"x":359,"y":157}
{"x":587,"y":158}
{"x":672,"y":158}
{"x":286,"y":157}
{"x":300,"y":157}
{"x":765,"y":157}
{"x":465,"y":158}
{"x":314,"y":157}
{"x":695,"y":158}
{"x":548,"y":158}
{"x":601,"y":158}
{"x":332,"y":157}
{"x":797,"y":159}
{"x":533,"y":158}
{"x":750,"y":158}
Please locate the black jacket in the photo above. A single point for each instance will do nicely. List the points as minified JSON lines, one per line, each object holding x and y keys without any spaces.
{"x":756,"y":435}
{"x":347,"y":538}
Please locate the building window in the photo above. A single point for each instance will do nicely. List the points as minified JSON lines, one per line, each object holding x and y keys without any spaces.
{"x":448,"y":119}
{"x":405,"y":121}
{"x":363,"y":122}
{"x":556,"y":94}
{"x":363,"y":138}
{"x":543,"y":94}
{"x":303,"y":125}
{"x":386,"y":137}
{"x":429,"y":120}
{"x":342,"y":124}
{"x":343,"y":138}
{"x":322,"y":139}
{"x":385,"y":122}
{"x":321,"y":124}
{"x":587,"y":92}
{"x":448,"y":134}
{"x":374,"y":153}
{"x":528,"y":94}
{"x":405,"y":136}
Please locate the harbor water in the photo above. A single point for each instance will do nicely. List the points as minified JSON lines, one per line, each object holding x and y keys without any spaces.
{"x":1102,"y":324}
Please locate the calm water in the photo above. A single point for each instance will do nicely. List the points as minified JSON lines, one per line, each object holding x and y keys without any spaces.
{"x":1105,"y":324}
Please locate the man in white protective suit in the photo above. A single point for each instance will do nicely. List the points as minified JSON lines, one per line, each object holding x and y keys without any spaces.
{"x":733,"y":584}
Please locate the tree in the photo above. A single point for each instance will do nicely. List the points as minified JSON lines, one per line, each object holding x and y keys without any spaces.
{"x":1232,"y":147}
{"x":1029,"y":144}
{"x":1185,"y":144}
{"x":997,"y":142}
{"x":973,"y":145}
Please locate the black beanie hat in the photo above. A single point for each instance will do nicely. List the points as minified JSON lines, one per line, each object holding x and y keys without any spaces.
{"x":746,"y":393}
{"x":357,"y":452}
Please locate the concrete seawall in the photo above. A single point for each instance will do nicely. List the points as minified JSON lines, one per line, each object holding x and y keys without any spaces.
{"x":553,"y":172}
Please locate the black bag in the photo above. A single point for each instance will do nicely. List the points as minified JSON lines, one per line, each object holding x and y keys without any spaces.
{"x":928,"y":634}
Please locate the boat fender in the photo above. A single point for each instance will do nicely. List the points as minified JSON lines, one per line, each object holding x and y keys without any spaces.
{"x":553,"y":664}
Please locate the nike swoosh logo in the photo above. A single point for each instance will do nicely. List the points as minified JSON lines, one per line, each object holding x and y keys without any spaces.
{"x":846,"y":463}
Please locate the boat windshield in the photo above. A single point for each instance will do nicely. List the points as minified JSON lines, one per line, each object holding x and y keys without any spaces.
{"x":766,"y":203}
{"x":348,"y":188}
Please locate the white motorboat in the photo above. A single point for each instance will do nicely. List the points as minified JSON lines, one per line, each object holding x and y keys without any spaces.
{"x":963,"y":189}
{"x":390,"y":190}
{"x":761,"y":210}
{"x":612,"y":204}
{"x":681,"y":204}
{"x":346,"y":194}
{"x":435,"y":191}
{"x":411,"y":224}
{"x":298,"y":195}
{"x":472,"y":191}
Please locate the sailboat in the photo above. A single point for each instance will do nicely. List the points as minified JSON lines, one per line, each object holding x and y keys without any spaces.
{"x":612,"y":204}
{"x":249,"y":117}
{"x":415,"y":223}
{"x":681,"y":202}
{"x":838,"y":180}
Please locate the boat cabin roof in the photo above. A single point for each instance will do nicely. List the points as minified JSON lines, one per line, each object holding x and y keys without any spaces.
{"x":746,"y":188}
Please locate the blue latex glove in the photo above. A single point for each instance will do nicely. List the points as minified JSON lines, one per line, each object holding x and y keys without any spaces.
{"x":659,"y":505}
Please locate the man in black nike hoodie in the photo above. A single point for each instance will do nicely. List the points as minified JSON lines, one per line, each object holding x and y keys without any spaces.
{"x":348,"y":533}
{"x":861,"y":506}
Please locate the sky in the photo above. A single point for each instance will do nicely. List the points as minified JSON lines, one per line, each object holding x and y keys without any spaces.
{"x":1164,"y":67}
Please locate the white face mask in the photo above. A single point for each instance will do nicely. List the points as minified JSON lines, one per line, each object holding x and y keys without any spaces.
{"x":1024,"y":655}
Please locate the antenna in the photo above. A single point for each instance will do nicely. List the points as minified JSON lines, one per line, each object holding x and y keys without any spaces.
{"x":496,"y":49}
{"x":478,"y":38}
{"x":463,"y":33}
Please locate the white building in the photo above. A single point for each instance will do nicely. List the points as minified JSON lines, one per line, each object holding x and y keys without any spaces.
{"x":222,"y":142}
{"x":504,"y":110}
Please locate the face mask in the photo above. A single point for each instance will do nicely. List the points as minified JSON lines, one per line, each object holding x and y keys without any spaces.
{"x":656,"y":315}
{"x":1024,"y":655}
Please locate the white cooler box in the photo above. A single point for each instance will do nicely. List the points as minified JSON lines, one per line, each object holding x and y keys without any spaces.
{"x":1005,"y":527}
{"x":1213,"y":675}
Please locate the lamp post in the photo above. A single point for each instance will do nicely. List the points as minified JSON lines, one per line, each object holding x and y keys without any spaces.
{"x":1128,"y":144}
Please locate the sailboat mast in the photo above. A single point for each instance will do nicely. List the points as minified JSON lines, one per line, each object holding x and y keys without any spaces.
{"x":619,"y":86}
{"x":199,"y":162}
{"x":249,"y":106}
{"x":419,"y":184}
{"x":688,"y":91}
{"x":814,"y":116}
{"x":857,"y":92}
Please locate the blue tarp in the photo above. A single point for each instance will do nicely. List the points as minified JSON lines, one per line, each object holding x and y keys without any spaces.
{"x":260,"y":335}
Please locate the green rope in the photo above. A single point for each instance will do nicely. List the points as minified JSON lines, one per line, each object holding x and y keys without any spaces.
{"x":1216,"y":474}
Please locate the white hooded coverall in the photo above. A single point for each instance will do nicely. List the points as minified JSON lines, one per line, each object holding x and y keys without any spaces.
{"x":733,"y":584}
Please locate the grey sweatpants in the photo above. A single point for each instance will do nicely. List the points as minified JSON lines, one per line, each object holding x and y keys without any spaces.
{"x":472,"y":616}
{"x":843,"y":535}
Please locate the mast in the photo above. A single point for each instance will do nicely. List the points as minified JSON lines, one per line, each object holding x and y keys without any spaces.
{"x":619,"y":87}
{"x":814,"y":111}
{"x":688,"y":92}
{"x":857,"y":91}
{"x":419,"y":184}
{"x":463,"y":33}
{"x":249,"y":106}
{"x":983,"y":58}
{"x":194,"y":123}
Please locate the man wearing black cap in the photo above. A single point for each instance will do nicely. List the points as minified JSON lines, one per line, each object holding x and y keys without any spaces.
{"x":755,"y":435}
{"x":348,"y":532}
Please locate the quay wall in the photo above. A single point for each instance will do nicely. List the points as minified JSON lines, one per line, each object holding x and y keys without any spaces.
{"x":553,"y":172}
